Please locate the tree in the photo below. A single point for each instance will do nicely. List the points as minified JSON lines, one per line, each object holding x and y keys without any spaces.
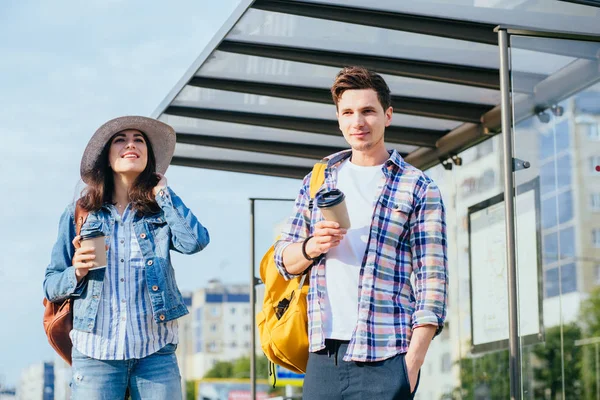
{"x":484,"y":377}
{"x":557,"y":350}
{"x":190,"y":388}
{"x":590,"y":320}
{"x":222,"y":369}
{"x":239,"y":368}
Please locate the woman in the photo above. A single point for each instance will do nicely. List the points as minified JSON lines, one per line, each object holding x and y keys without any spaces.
{"x":125,"y":315}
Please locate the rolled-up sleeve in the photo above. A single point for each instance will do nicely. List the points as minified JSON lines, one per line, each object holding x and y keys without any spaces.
{"x":296,"y":229}
{"x":430,"y":260}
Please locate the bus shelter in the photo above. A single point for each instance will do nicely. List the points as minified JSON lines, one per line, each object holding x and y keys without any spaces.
{"x":493,"y":99}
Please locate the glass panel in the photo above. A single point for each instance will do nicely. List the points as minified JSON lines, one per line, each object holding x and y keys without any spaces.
{"x":548,"y":14}
{"x":233,"y":101}
{"x":226,"y":129}
{"x":259,"y":69}
{"x":560,"y":362}
{"x":473,"y":374}
{"x":265,"y":27}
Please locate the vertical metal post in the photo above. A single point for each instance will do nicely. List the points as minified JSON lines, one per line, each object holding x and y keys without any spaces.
{"x":252,"y":307}
{"x":511,"y":260}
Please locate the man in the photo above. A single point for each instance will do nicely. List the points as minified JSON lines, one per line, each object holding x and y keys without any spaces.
{"x":361,"y":303}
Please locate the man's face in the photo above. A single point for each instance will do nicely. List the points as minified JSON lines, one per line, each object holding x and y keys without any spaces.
{"x":362,"y":119}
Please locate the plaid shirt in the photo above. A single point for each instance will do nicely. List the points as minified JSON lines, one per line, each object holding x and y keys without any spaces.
{"x":408,"y":236}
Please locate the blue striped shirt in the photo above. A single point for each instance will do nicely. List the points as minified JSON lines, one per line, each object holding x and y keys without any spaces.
{"x":125,"y":328}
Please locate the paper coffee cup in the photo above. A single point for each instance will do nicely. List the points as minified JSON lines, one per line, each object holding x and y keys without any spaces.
{"x":98,"y":242}
{"x":333,"y":206}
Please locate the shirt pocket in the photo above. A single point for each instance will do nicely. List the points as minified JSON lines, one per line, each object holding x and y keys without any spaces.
{"x":394,"y":219}
{"x":158,"y":226}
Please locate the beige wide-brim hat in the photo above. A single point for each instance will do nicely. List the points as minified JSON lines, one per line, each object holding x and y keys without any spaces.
{"x":161,"y":137}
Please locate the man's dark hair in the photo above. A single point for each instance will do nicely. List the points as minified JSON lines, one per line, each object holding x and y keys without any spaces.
{"x":352,"y":78}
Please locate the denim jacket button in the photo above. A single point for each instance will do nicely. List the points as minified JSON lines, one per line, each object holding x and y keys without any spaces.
{"x":150,"y":262}
{"x":161,"y":317}
{"x":143,"y":236}
{"x":155,"y":288}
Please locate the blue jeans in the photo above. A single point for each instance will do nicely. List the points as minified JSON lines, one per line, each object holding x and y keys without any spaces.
{"x":155,"y":377}
{"x":329,"y":377}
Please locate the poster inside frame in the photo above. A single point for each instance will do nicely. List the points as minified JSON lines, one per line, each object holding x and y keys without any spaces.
{"x":488,"y":272}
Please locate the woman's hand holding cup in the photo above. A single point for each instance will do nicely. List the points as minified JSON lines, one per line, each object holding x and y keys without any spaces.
{"x":326,"y":235}
{"x":83,"y":259}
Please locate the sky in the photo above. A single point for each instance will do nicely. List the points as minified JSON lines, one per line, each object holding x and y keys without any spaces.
{"x":66,"y":67}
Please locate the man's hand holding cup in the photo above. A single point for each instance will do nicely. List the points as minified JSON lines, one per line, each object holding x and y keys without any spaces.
{"x":326,"y":235}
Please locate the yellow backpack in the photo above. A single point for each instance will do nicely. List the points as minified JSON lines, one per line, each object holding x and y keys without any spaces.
{"x":283,"y":321}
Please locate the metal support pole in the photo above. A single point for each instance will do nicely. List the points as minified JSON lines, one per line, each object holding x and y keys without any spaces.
{"x":253,"y":282}
{"x":252,"y":307}
{"x":511,"y":260}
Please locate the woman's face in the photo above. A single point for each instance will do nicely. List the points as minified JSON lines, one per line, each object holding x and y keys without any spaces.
{"x":128,"y":153}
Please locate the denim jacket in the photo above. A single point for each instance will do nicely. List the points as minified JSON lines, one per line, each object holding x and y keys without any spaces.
{"x":174,"y":227}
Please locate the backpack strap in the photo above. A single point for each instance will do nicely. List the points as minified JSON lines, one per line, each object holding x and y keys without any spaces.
{"x":317,"y":178}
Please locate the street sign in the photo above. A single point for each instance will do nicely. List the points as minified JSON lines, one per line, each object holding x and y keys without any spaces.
{"x":286,"y":377}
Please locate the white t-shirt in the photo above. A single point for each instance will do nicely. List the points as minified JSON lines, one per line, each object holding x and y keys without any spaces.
{"x":342,"y":263}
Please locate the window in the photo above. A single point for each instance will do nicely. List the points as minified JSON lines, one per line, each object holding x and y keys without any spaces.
{"x":565,"y":207}
{"x":553,"y":250}
{"x":232,"y":310}
{"x":596,"y":238}
{"x":246,"y":328}
{"x":564,"y":171}
{"x":446,"y":363}
{"x":555,"y":174}
{"x":595,"y":201}
{"x":232,"y":328}
{"x":562,"y":135}
{"x":567,"y":243}
{"x":546,"y":143}
{"x":590,"y":130}
{"x":549,"y":214}
{"x":213,"y":328}
{"x":214,"y":311}
{"x":568,"y":280}
{"x":557,"y":138}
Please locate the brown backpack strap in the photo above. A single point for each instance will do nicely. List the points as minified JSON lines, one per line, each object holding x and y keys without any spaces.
{"x":80,"y":217}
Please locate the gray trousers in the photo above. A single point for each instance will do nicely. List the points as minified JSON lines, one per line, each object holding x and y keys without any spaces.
{"x":329,"y":377}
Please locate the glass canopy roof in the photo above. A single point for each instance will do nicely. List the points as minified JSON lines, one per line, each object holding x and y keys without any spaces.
{"x":257,"y":99}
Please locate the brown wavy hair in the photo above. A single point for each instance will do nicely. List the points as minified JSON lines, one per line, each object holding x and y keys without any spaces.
{"x":351,"y":78}
{"x":100,"y":188}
